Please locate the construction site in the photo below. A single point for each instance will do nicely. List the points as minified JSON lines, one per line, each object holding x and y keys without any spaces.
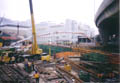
{"x":58,"y":55}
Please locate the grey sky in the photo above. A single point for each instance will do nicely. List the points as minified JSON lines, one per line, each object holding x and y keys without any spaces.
{"x":50,"y":10}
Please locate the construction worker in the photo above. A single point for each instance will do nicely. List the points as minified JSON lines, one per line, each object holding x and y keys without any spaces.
{"x":12,"y":59}
{"x":67,"y":67}
{"x":0,"y":59}
{"x":111,"y":75}
{"x":29,"y":66}
{"x":26,"y":65}
{"x":100,"y":75}
{"x":36,"y":76}
{"x":33,"y":68}
{"x":6,"y":58}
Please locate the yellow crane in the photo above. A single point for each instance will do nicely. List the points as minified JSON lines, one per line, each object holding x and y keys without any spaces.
{"x":35,"y":49}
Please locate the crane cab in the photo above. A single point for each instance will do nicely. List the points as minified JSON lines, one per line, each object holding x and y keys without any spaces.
{"x":45,"y":57}
{"x":39,"y":51}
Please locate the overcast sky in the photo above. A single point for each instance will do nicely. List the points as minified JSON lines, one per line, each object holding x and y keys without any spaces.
{"x":50,"y":10}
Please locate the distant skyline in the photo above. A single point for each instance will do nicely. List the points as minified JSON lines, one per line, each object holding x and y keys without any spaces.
{"x":50,"y":10}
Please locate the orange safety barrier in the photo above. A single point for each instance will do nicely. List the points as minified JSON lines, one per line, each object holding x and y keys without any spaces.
{"x":66,"y":54}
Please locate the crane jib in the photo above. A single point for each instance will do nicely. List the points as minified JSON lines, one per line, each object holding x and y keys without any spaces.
{"x":31,"y":7}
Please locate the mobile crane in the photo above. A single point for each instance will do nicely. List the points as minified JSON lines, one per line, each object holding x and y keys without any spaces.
{"x":35,"y":49}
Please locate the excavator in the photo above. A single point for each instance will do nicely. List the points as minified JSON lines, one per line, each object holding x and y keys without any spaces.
{"x":36,"y":51}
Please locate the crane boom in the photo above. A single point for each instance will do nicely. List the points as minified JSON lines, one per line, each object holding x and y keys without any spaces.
{"x":34,"y":44}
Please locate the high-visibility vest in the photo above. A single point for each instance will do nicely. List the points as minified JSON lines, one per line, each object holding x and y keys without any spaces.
{"x":67,"y":67}
{"x":36,"y":75}
{"x":6,"y":59}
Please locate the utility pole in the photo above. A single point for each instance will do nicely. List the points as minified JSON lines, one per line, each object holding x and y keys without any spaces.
{"x":18,"y":29}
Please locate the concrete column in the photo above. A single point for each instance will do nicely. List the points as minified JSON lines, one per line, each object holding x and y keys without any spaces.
{"x":104,"y":35}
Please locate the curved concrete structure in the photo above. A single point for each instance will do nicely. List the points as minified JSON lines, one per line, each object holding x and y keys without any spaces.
{"x":107,"y":21}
